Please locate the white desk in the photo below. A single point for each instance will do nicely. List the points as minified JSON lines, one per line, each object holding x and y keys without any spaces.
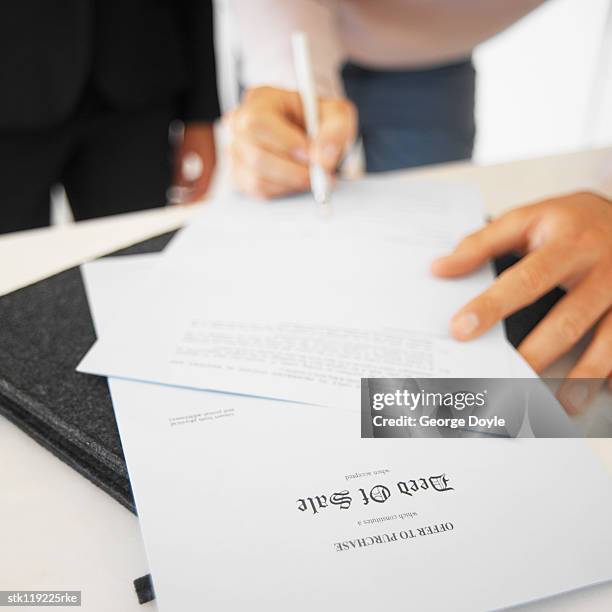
{"x":59,"y":531}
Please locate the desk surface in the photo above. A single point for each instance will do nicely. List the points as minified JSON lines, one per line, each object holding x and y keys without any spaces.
{"x":59,"y":531}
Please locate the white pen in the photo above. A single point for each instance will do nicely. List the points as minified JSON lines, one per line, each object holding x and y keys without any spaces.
{"x":319,"y":181}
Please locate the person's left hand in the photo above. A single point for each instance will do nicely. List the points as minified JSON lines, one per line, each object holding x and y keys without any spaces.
{"x":568,"y":241}
{"x":194,"y":163}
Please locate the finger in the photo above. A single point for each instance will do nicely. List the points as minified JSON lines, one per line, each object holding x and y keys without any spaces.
{"x":228,"y":117}
{"x":199,"y":188}
{"x":192,"y":178}
{"x":256,"y":186}
{"x":337,"y":130}
{"x":253,"y":184}
{"x":568,"y":321}
{"x":191,"y":167}
{"x":272,"y":132}
{"x":516,"y":287}
{"x":591,"y":371}
{"x":596,"y":361}
{"x":271,"y":167}
{"x":502,"y":235}
{"x":575,"y":394}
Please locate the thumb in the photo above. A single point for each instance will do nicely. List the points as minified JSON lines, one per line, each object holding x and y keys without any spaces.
{"x":337,"y":130}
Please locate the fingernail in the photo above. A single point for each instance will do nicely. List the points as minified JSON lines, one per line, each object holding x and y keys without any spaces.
{"x":439,"y":262}
{"x":192,"y":167}
{"x":575,"y":396}
{"x":330,"y":153}
{"x":464,"y":325}
{"x":300,"y":155}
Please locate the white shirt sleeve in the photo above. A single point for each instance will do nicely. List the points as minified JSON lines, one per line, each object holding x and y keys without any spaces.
{"x":264,"y":29}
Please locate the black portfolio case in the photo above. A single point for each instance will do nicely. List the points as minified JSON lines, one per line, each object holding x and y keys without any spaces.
{"x":45,"y":330}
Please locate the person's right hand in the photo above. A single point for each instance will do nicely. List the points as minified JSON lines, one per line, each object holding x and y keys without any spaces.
{"x":269,"y":148}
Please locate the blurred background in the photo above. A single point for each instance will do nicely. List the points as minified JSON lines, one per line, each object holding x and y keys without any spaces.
{"x":544,"y":85}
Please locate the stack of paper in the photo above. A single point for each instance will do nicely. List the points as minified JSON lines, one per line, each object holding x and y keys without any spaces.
{"x":281,"y":302}
{"x":234,"y":362}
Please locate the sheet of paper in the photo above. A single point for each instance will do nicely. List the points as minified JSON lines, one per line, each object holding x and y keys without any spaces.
{"x":397,"y":210}
{"x":299,"y":308}
{"x":249,"y":502}
{"x":123,"y":274}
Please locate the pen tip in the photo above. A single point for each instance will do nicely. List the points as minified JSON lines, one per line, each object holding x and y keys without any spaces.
{"x":320,"y":192}
{"x":319,"y":184}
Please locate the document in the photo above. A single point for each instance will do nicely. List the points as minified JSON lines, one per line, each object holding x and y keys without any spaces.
{"x":397,"y":210}
{"x":294,"y":307}
{"x":260,"y":504}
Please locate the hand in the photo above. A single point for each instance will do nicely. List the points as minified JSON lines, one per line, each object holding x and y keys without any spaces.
{"x":568,"y":242}
{"x":194,"y":163}
{"x":269,"y":148}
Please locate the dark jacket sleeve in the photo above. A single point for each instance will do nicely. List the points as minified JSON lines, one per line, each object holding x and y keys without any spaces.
{"x":200,"y":101}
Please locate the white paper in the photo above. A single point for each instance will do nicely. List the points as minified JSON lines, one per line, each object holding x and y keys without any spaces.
{"x":396,"y":210}
{"x":282,"y":304}
{"x":219,"y":481}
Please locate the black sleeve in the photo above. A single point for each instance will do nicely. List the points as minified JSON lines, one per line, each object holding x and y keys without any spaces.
{"x":201,"y":100}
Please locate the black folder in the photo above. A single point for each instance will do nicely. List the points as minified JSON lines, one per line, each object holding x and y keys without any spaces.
{"x":45,"y":330}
